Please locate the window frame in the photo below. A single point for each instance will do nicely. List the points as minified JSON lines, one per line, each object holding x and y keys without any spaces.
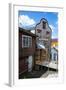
{"x":26,"y":45}
{"x":44,"y":25}
{"x":54,"y":56}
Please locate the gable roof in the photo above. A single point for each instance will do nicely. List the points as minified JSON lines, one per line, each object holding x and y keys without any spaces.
{"x":45,"y":20}
{"x":54,"y":49}
{"x":27,"y":32}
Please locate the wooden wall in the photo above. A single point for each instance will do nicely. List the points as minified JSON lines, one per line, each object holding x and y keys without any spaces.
{"x":24,"y":53}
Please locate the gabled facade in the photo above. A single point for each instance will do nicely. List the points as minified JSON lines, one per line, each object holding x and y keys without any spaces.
{"x":44,"y":34}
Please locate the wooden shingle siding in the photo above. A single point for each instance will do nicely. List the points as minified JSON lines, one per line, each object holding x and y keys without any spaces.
{"x":41,"y":55}
{"x":25,"y":52}
{"x":22,"y":65}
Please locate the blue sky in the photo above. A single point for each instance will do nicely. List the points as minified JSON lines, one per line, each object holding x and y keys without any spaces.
{"x":28,"y":19}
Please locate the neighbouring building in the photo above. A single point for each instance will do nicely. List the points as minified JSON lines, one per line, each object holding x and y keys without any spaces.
{"x":54,"y":42}
{"x":44,"y":33}
{"x":27,"y":44}
{"x":54,"y":54}
{"x":54,"y":49}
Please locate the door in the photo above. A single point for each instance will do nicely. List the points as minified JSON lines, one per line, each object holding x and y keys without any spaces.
{"x":30,"y":61}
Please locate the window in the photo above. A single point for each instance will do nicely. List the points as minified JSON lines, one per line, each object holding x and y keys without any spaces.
{"x":47,"y":33}
{"x":30,"y":42}
{"x":26,"y":41}
{"x":38,"y":30}
{"x":44,"y":25}
{"x":54,"y":56}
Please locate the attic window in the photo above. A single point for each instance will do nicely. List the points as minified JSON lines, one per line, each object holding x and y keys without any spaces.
{"x":47,"y":32}
{"x":38,"y":30}
{"x":44,"y":25}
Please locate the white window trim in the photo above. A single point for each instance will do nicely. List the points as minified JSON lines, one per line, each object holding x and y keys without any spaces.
{"x":27,"y":46}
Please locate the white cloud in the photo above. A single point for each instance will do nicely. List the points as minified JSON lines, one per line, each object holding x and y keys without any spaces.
{"x":24,"y":21}
{"x":52,"y":27}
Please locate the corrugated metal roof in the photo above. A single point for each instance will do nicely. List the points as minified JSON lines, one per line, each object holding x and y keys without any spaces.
{"x":40,"y":46}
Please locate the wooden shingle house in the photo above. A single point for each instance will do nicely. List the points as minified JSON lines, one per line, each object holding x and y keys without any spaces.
{"x":44,"y":35}
{"x":27,"y":42}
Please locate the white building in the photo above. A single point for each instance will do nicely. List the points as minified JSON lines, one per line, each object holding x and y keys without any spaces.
{"x":54,"y":54}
